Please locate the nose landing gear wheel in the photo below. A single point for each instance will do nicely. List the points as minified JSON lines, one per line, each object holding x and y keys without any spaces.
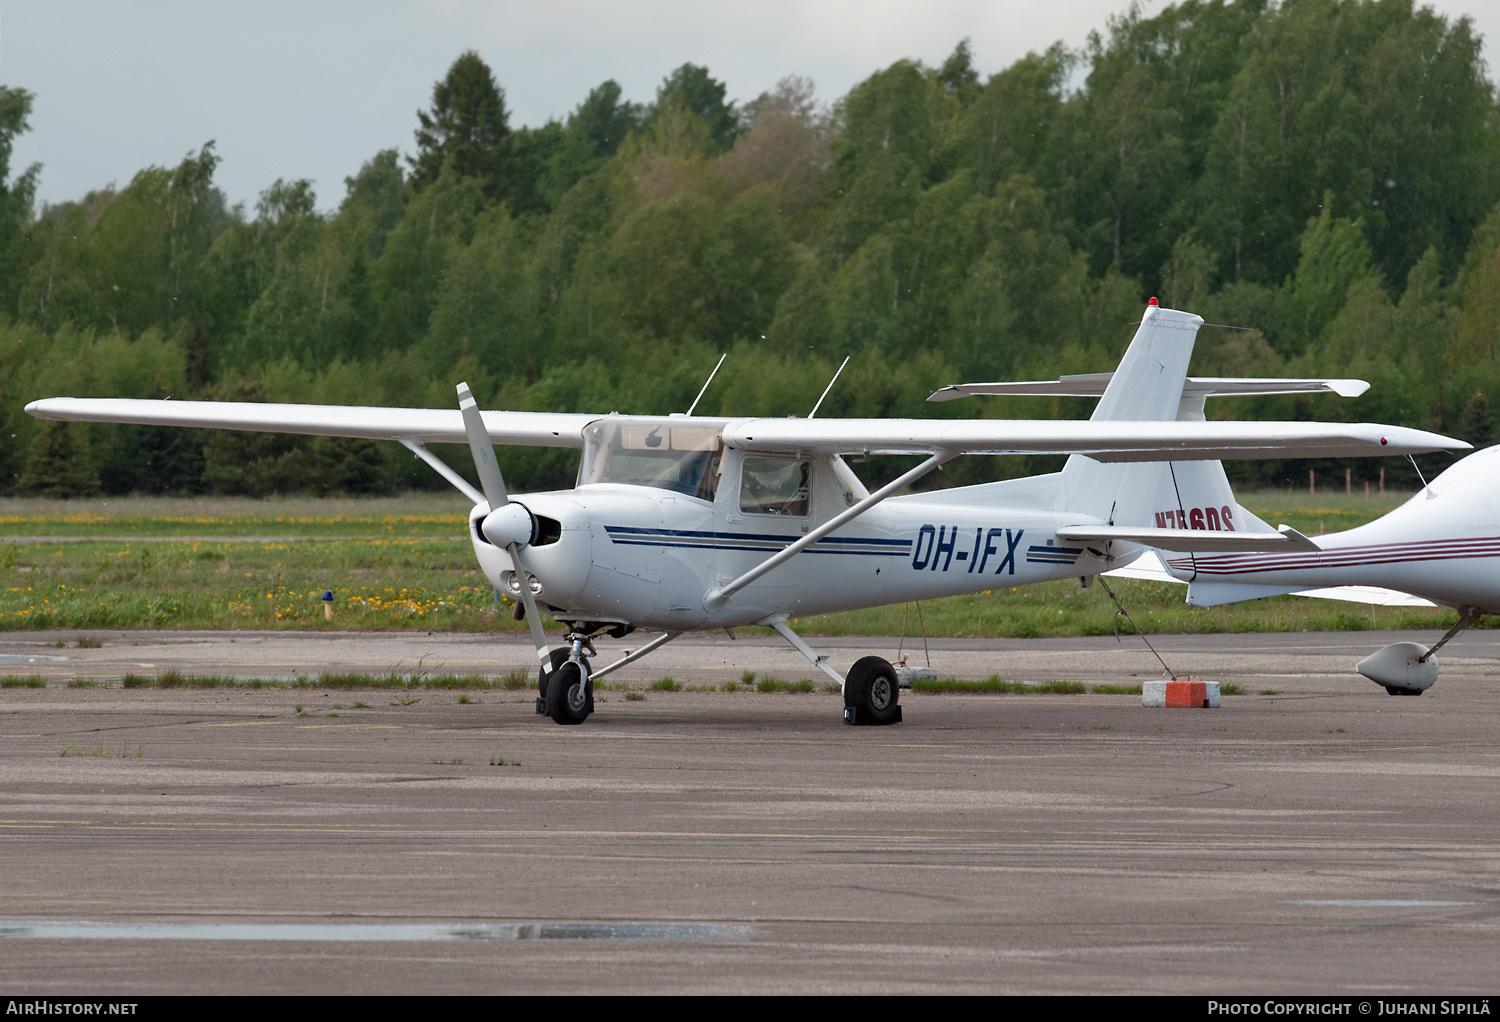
{"x":559,"y":657}
{"x":871,"y":693}
{"x":570,"y":699}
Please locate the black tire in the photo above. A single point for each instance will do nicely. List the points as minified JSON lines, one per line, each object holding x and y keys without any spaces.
{"x":567,"y":701}
{"x":559,"y":657}
{"x":873,"y":692}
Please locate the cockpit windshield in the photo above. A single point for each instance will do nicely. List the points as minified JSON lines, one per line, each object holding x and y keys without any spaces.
{"x":684,"y":459}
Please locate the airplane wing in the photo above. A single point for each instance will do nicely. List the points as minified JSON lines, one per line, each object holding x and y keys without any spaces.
{"x":1103,"y":441}
{"x":1093,"y":384}
{"x":420,"y":425}
{"x":1148,"y":567}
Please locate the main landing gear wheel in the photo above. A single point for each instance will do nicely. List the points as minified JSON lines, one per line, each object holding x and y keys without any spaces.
{"x":570,"y":698}
{"x":871,"y":693}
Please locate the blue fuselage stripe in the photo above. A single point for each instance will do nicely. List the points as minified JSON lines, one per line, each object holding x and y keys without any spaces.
{"x":630,"y":536}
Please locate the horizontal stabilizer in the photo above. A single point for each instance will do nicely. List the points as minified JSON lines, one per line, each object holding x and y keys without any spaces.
{"x":1093,"y":384}
{"x":1190,"y":540}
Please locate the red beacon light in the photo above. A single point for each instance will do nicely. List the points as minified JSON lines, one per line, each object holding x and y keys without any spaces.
{"x":1153,"y":301}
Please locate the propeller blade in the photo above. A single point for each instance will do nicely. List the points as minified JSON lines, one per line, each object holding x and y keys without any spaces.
{"x":490,"y":479}
{"x":493,"y":484}
{"x":533,"y":618}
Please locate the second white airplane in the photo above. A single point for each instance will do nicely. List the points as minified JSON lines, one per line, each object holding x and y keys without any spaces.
{"x":1440,"y":548}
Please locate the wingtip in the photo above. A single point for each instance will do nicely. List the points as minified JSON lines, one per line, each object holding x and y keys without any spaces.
{"x":1297,"y":540}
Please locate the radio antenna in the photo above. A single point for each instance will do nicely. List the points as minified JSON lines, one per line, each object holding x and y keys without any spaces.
{"x":705,"y":384}
{"x":829,"y":387}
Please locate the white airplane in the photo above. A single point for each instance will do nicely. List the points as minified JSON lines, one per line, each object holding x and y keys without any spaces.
{"x":681,"y":522}
{"x":1440,"y":548}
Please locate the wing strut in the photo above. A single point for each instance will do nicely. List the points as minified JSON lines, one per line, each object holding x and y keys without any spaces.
{"x":716,"y":598}
{"x":441,"y":468}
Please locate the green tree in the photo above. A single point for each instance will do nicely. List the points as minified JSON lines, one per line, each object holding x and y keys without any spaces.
{"x":1476,"y":425}
{"x":593,"y":133}
{"x":486,"y":310}
{"x":747,"y":264}
{"x":1007,"y":129}
{"x":886,"y":118}
{"x":16,"y":195}
{"x":467,"y":128}
{"x":378,"y":192}
{"x":56,"y":465}
{"x":1334,"y":255}
{"x":692,"y":89}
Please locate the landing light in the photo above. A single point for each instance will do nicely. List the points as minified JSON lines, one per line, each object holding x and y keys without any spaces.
{"x":513,"y":584}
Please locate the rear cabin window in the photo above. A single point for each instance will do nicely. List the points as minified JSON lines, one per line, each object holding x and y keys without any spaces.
{"x":774,"y":486}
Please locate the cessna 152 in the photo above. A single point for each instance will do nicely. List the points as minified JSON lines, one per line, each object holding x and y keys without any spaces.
{"x":1440,"y":548}
{"x":684,"y":522}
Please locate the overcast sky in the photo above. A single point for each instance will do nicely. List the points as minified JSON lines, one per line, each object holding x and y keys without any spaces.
{"x":313,"y":89}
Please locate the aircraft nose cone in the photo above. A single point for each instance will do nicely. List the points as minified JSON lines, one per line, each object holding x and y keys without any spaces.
{"x":507,"y":524}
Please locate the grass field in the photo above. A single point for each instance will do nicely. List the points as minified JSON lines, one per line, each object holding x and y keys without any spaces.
{"x":396,"y":563}
{"x":418,"y":515}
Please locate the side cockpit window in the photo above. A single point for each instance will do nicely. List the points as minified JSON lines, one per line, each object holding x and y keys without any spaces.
{"x":774,"y":486}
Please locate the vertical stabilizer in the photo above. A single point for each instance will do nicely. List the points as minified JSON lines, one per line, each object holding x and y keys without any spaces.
{"x":1148,"y":386}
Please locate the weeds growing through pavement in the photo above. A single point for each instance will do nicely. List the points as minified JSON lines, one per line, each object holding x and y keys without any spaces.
{"x":27,"y":681}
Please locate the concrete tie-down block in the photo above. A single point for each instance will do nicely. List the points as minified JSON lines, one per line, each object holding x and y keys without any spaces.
{"x":1181,"y":692}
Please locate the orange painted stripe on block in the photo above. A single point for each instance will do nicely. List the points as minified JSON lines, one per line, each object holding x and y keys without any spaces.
{"x":1187,"y":694}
